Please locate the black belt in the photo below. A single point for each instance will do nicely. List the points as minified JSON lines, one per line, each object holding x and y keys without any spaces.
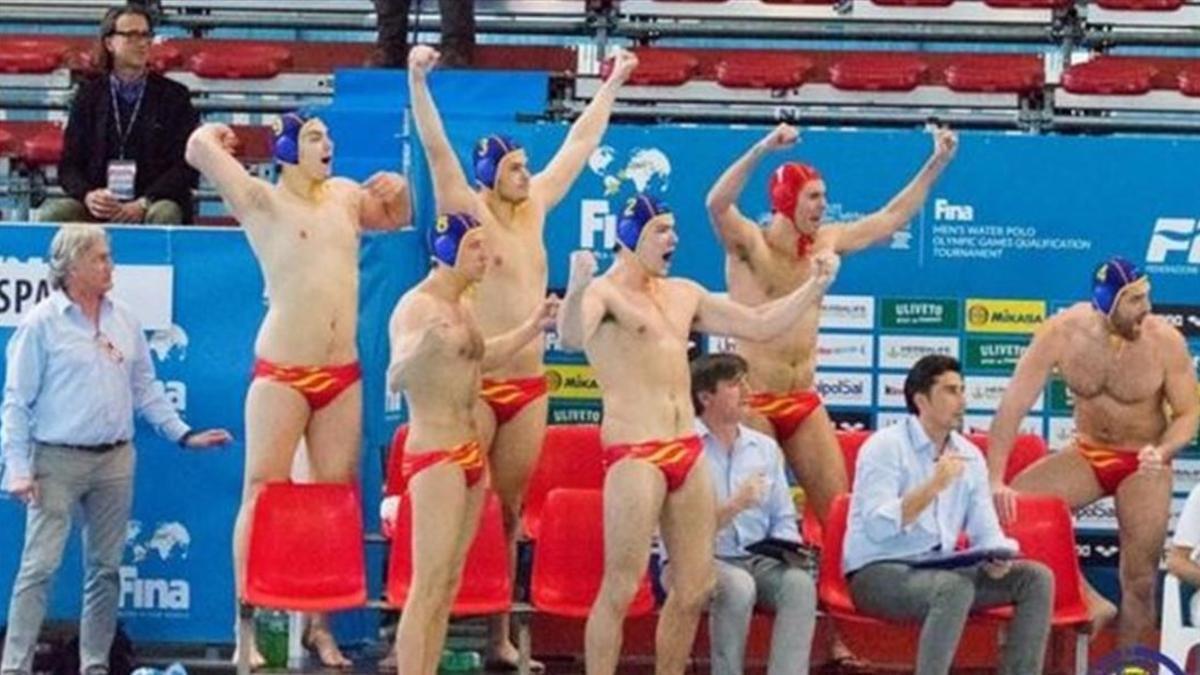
{"x":97,"y":449}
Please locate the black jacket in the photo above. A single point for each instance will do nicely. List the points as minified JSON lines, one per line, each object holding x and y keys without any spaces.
{"x":156,"y":142}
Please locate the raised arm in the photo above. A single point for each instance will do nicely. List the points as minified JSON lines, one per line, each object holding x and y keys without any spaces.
{"x":1180,"y":391}
{"x":210,"y":150}
{"x":901,"y":209}
{"x":552,"y":183}
{"x":385,"y":202}
{"x":736,"y":231}
{"x":503,"y":347}
{"x":582,"y":308}
{"x":451,"y":191}
{"x":721,"y":316}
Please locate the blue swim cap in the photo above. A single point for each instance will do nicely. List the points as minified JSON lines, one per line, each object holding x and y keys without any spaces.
{"x":287,"y":135}
{"x":638,"y":211}
{"x":489,"y":152}
{"x":447,"y":234}
{"x":1111,"y":279}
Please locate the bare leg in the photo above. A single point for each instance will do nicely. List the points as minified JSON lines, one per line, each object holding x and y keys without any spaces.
{"x":275,"y":420}
{"x":1143,"y":509}
{"x":816,"y":458}
{"x":440,"y":505}
{"x":688,"y":528}
{"x":514,"y":451}
{"x":633,"y":496}
{"x":1066,"y":474}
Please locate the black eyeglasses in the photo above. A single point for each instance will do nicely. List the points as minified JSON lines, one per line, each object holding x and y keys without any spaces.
{"x":135,"y":34}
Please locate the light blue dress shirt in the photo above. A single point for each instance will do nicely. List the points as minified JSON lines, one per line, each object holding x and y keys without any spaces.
{"x":753,"y":452}
{"x":66,"y":383}
{"x":893,"y":462}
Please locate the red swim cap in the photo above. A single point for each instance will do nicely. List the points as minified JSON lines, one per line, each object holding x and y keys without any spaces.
{"x":783,"y":189}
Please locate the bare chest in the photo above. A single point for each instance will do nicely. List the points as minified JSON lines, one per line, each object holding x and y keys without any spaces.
{"x":1127,"y":372}
{"x":767,"y":276}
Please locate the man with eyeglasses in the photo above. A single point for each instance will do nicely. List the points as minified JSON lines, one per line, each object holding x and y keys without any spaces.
{"x":122,"y":158}
{"x":78,"y":367}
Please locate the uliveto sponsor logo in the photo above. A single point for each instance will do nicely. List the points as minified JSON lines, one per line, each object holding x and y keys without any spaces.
{"x":848,"y":311}
{"x":940,"y":314}
{"x":902,"y":351}
{"x":1174,"y":247}
{"x":849,"y":389}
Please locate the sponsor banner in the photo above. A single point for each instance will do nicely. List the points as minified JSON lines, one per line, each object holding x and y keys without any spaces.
{"x":845,"y":350}
{"x":1174,"y":247}
{"x":146,"y":289}
{"x":887,"y":419}
{"x":930,"y":313}
{"x":891,"y":390}
{"x":993,"y":355}
{"x":1060,"y":398}
{"x":1004,"y":316}
{"x":844,"y":389}
{"x":1099,"y":548}
{"x":980,"y":424}
{"x":571,"y":381}
{"x":850,"y":420}
{"x":902,"y":351}
{"x":984,"y":392}
{"x":575,"y":412}
{"x":1187,"y":474}
{"x":1101,"y":515}
{"x":848,"y":311}
{"x":154,"y":576}
{"x":1184,"y":317}
{"x":1060,"y":432}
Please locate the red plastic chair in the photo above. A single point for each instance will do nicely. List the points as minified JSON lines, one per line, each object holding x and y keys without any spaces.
{"x":658,"y":67}
{"x":1013,"y":73}
{"x":305,"y":553}
{"x":850,"y":442}
{"x":43,"y":145}
{"x":571,"y":457}
{"x":486,"y":587}
{"x":881,"y":71}
{"x":568,"y":560}
{"x":240,"y":61}
{"x":1027,"y":449}
{"x":759,"y":70}
{"x":394,"y":484}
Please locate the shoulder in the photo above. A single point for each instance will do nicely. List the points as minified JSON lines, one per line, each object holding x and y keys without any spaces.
{"x":123,"y":312}
{"x":42,"y":312}
{"x":884,"y":442}
{"x":168,"y":86}
{"x":1163,"y":333}
{"x":757,"y":438}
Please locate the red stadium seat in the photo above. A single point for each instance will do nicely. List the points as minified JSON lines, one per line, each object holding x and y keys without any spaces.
{"x":30,"y":55}
{"x":571,"y":457}
{"x":8,"y":142}
{"x":913,"y":3}
{"x":1107,"y":75}
{"x":568,"y":560}
{"x":1028,"y":4}
{"x":1141,"y":5}
{"x":42,"y":144}
{"x":256,"y":143}
{"x":1189,"y":79}
{"x":877,"y":72}
{"x":240,"y":60}
{"x":763,"y":71}
{"x":996,"y":73}
{"x":486,"y":587}
{"x":659,"y":67}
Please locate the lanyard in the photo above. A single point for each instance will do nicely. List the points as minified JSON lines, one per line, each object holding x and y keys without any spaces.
{"x":123,"y":131}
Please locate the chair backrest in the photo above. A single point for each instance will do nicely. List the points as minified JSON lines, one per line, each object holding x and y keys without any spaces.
{"x":306,"y":548}
{"x":831,"y":582}
{"x":571,"y":457}
{"x":1027,"y":449}
{"x":1044,"y":531}
{"x":851,"y":442}
{"x":393,"y":478}
{"x":486,"y":586}
{"x":568,"y":558}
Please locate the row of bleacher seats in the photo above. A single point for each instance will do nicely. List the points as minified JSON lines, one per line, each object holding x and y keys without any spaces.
{"x":566,"y":523}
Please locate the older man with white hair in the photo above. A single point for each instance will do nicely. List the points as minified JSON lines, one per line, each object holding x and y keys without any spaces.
{"x":78,"y":367}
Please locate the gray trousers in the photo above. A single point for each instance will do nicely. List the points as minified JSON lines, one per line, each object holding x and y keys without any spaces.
{"x":743,"y":584}
{"x":70,"y":210}
{"x":942,"y":599}
{"x":101,"y":485}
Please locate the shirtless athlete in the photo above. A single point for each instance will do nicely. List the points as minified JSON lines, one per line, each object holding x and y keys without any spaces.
{"x":304,"y":231}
